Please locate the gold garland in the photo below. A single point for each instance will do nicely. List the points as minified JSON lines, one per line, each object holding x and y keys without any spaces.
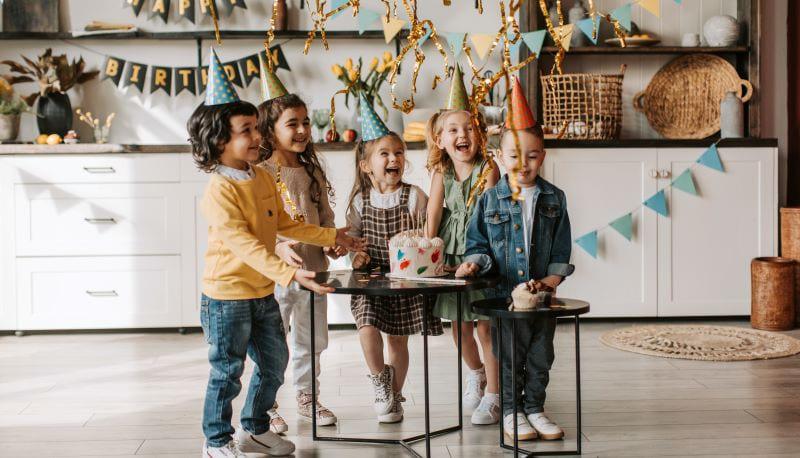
{"x":287,"y":199}
{"x":212,"y":8}
{"x":342,"y":91}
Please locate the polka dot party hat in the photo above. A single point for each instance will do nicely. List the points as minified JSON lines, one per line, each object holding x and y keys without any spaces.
{"x":219,"y":90}
{"x":372,"y":128}
{"x":458,"y":99}
{"x":523,"y":116}
{"x":271,"y":86}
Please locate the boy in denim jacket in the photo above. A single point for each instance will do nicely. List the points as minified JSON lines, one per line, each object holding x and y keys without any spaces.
{"x":523,"y":240}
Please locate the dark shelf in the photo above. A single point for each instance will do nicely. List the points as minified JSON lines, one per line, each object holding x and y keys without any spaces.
{"x":651,"y":50}
{"x":191,"y":35}
{"x":748,"y":142}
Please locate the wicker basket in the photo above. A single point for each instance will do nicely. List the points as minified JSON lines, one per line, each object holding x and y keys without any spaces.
{"x":583,"y":105}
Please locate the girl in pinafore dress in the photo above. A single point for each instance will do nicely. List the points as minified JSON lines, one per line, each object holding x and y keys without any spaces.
{"x":459,"y":173}
{"x":380,"y":207}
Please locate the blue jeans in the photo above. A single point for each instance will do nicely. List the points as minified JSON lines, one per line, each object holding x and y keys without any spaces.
{"x":235,"y":329}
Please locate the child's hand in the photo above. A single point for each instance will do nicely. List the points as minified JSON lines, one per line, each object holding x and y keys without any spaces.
{"x":467,"y":269}
{"x":285,"y":250}
{"x":552,"y":281}
{"x":306,"y":279}
{"x":330,"y":252}
{"x":360,"y":260}
{"x":349,"y":243}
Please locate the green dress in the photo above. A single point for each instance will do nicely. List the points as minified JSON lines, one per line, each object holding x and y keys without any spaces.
{"x":453,"y":230}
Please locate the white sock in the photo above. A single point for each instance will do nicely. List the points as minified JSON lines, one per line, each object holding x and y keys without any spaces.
{"x":482,"y":370}
{"x":494,"y":397}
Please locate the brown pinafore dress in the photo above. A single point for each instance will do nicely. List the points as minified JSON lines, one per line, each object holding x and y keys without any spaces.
{"x":399,"y":315}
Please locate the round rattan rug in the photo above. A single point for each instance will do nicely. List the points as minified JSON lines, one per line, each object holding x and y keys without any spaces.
{"x":703,"y":343}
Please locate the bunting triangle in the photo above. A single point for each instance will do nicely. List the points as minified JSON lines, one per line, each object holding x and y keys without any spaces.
{"x":336,"y":4}
{"x":428,"y":32}
{"x":623,"y":225}
{"x":589,"y":28}
{"x":564,"y":33}
{"x":513,"y":47}
{"x":652,"y":6}
{"x":589,"y":243}
{"x":391,"y":27}
{"x":623,"y":15}
{"x":685,"y":182}
{"x":657,"y":203}
{"x":710,"y":159}
{"x":678,"y":2}
{"x":456,"y":42}
{"x":482,"y":43}
{"x":366,"y":18}
{"x":534,"y":41}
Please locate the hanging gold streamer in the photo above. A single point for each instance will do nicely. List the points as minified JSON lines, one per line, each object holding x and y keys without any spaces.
{"x":342,"y":91}
{"x":556,"y":37}
{"x":320,"y":20}
{"x":212,"y":8}
{"x":271,"y":35}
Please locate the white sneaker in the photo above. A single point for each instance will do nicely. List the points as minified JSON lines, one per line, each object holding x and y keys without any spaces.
{"x":276,"y":422}
{"x":546,"y":427}
{"x":267,"y":443}
{"x":384,"y":395}
{"x":525,"y":431}
{"x":228,"y":450}
{"x":488,"y":411}
{"x":396,"y":414}
{"x":476,"y":382}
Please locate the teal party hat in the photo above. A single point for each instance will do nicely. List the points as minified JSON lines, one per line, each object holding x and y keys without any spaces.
{"x":219,"y":90}
{"x":372,"y":128}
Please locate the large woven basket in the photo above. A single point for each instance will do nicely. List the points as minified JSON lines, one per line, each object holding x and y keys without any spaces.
{"x":583,"y":105}
{"x":683,"y":98}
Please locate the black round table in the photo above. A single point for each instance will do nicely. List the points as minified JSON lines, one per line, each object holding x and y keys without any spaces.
{"x":498,"y":309}
{"x":377,"y":283}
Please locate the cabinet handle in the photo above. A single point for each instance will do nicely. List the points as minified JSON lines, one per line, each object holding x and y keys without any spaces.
{"x":653,"y":173}
{"x":665,"y":173}
{"x":109,"y":293}
{"x":99,"y":169}
{"x":100,"y":220}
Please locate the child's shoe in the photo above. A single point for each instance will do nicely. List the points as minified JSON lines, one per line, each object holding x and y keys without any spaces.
{"x":267,"y":443}
{"x":525,"y":431}
{"x":276,"y":423}
{"x":228,"y":450}
{"x":546,"y":427}
{"x":488,"y":411}
{"x":384,"y":396}
{"x":476,"y":382}
{"x":324,"y":416}
{"x":396,"y":414}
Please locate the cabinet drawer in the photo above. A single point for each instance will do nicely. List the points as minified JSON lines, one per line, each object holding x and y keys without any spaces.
{"x":96,"y":168}
{"x":92,"y":219}
{"x":98,"y":293}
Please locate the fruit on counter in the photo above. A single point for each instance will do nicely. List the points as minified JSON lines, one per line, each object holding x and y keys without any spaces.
{"x":331,"y":136}
{"x":53,"y":139}
{"x":41,"y":139}
{"x":71,"y":138}
{"x":349,"y":135}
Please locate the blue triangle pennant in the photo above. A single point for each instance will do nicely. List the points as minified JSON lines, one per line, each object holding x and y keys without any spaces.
{"x":685,"y":183}
{"x":428,"y":32}
{"x":710,"y":159}
{"x":513,"y":47}
{"x":534,"y":41}
{"x":366,"y":18}
{"x":657,"y":203}
{"x":623,"y":15}
{"x":336,"y":4}
{"x":456,"y":42}
{"x":589,"y":28}
{"x":589,"y":243}
{"x":623,"y":225}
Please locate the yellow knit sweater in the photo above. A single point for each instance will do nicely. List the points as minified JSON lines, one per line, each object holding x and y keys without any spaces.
{"x":244,"y":220}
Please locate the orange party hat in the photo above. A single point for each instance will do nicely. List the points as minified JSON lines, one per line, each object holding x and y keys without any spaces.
{"x":523,"y":116}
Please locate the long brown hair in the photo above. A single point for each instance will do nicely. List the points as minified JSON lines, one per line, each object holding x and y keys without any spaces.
{"x":268,"y":114}
{"x":362,"y":184}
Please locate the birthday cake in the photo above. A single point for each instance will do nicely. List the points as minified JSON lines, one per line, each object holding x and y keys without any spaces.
{"x":413,"y":255}
{"x":530,"y":296}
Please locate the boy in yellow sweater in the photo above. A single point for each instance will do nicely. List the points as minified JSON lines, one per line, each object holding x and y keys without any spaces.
{"x":238,"y":310}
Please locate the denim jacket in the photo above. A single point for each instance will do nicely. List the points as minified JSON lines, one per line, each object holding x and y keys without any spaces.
{"x":496,"y":242}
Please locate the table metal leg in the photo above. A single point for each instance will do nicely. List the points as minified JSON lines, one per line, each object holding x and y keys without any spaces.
{"x":500,"y":378}
{"x":313,"y":369}
{"x":458,"y":344}
{"x":514,"y":383}
{"x":578,"y":380}
{"x":425,"y":310}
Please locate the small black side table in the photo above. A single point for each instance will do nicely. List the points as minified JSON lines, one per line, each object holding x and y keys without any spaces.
{"x":498,"y":309}
{"x":377,"y":284}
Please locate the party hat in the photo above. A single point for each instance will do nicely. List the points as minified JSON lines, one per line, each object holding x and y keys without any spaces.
{"x":219,"y":90}
{"x":271,"y":86}
{"x":523,"y":117}
{"x":372,"y":128}
{"x":458,"y":99}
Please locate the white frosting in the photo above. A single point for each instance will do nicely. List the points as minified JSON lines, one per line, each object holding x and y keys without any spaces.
{"x":523,"y":298}
{"x":424,"y":243}
{"x":437,"y":242}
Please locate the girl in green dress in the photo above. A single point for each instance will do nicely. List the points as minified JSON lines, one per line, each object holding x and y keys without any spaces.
{"x":456,"y":166}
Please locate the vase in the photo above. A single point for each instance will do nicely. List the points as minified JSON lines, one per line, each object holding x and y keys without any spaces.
{"x":9,"y":127}
{"x":355,"y":117}
{"x":721,"y":31}
{"x":731,"y":112}
{"x":281,"y":15}
{"x":54,"y":114}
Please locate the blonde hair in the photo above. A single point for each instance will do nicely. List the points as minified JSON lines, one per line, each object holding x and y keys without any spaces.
{"x":438,"y":159}
{"x":362,"y":152}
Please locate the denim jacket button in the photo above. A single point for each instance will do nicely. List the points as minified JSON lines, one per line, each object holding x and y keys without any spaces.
{"x":520,"y":272}
{"x":519,"y":250}
{"x":516,"y":227}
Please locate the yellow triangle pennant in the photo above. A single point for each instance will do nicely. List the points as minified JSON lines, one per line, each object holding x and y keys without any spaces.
{"x":652,"y":6}
{"x":391,"y":27}
{"x":565,"y":34}
{"x":482,"y":42}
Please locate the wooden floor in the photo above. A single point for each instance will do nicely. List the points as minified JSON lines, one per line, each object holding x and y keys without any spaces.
{"x":141,"y":394}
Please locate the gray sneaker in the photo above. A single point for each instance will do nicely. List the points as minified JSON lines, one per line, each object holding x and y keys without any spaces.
{"x":228,"y":450}
{"x":384,"y":396}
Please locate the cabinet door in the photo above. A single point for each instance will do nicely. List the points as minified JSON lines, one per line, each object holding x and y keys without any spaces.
{"x":193,"y":249}
{"x":707,"y":243}
{"x":602,"y":185}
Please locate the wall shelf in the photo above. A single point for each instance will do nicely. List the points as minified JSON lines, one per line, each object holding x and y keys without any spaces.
{"x":192,"y":35}
{"x":644,"y":50}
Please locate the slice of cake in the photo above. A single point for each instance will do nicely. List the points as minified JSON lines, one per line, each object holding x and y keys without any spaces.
{"x":413,"y":255}
{"x":530,"y":296}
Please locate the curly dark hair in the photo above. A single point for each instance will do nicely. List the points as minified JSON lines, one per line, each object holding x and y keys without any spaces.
{"x":210,"y":129}
{"x":268,"y":114}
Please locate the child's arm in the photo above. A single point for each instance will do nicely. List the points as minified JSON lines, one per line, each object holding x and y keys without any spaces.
{"x":358,"y":259}
{"x":494,"y":176}
{"x":311,"y":234}
{"x":562,"y":246}
{"x":435,"y":206}
{"x":478,"y":248}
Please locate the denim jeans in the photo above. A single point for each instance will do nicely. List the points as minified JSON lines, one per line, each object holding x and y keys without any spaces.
{"x":535,"y":356}
{"x":235,"y":329}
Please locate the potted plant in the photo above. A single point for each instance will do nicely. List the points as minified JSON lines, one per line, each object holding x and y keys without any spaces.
{"x":55,"y":75}
{"x":11,"y":106}
{"x":370,"y":84}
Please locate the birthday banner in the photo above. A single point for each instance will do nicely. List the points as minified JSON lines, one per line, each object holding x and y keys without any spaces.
{"x":184,"y":8}
{"x":623,"y":225}
{"x":174,"y":80}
